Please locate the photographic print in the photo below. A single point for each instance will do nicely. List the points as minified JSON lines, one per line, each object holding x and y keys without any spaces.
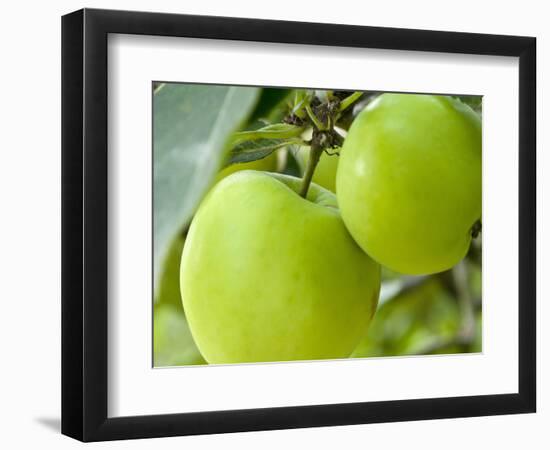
{"x":313,"y":230}
{"x":305,"y":224}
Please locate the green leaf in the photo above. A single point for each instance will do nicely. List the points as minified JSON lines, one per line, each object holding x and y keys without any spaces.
{"x":191,"y":128}
{"x":173,"y":344}
{"x":253,"y":145}
{"x":275,"y":131}
{"x":249,"y":151}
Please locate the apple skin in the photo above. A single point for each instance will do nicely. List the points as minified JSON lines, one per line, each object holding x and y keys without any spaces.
{"x":325,"y":172}
{"x":409,"y":181}
{"x":269,"y":276}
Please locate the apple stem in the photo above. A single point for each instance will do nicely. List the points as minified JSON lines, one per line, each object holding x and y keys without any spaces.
{"x":315,"y":152}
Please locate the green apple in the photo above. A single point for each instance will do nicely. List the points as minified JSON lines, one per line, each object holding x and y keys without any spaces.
{"x":267,"y":275}
{"x":325,"y":172}
{"x":409,"y":181}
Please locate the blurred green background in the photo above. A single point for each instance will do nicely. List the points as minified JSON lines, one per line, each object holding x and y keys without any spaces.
{"x":436,"y":314}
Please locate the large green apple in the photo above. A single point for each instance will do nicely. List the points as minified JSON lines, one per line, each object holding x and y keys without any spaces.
{"x":269,"y":276}
{"x":409,"y":181}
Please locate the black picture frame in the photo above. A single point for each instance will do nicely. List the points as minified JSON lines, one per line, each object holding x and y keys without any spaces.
{"x":84,"y":224}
